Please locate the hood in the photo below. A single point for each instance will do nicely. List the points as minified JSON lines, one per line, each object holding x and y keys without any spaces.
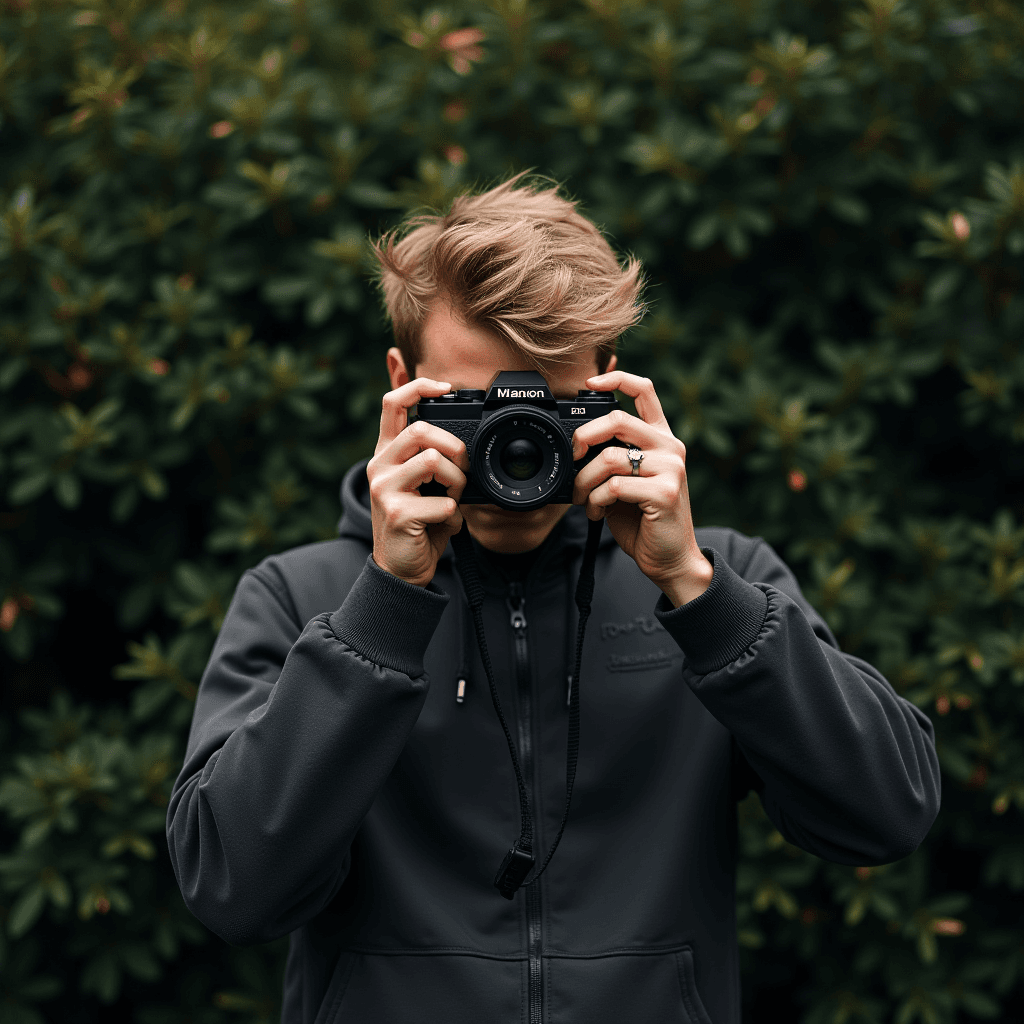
{"x":355,"y":519}
{"x":355,"y":522}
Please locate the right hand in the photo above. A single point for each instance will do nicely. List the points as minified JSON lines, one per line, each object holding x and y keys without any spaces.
{"x":410,"y":532}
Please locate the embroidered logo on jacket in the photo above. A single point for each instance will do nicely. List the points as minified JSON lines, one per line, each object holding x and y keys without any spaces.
{"x":610,"y":630}
{"x":639,"y":662}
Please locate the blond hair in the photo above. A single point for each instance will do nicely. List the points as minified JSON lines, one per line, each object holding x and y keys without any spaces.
{"x":516,"y":260}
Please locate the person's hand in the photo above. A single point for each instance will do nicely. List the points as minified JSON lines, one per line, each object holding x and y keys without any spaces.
{"x":410,"y":531}
{"x":649,"y":514}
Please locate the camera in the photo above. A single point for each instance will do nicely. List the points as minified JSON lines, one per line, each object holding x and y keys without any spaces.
{"x":518,"y":437}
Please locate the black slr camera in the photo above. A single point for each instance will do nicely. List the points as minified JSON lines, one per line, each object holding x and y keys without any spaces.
{"x":518,"y":437}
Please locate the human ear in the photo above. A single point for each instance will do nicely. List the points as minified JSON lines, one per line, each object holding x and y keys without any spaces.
{"x":396,"y":369}
{"x":612,"y":363}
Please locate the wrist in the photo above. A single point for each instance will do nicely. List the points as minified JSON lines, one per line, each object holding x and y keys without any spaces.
{"x":688,"y":585}
{"x":415,"y":581}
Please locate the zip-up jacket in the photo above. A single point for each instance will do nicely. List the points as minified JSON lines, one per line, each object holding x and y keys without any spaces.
{"x":336,"y":790}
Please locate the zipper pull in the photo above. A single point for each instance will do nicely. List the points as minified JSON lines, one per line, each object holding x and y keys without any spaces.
{"x":516,"y":606}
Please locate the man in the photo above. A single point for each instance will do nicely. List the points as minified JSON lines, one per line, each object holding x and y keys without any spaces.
{"x":347,"y":781}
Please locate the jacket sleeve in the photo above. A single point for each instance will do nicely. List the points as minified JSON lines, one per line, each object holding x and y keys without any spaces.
{"x":848,"y":767}
{"x":293,"y":733}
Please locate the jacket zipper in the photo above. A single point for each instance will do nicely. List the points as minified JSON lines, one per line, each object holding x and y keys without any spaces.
{"x":517,"y":610}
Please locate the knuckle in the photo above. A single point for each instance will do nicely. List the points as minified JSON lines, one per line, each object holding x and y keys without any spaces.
{"x":614,"y":486}
{"x":433,"y":458}
{"x":646,"y":383}
{"x":392,"y":509}
{"x":419,"y":429}
{"x":377,"y":488}
{"x":609,"y":457}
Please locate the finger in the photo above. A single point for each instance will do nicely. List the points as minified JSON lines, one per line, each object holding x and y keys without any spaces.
{"x":422,"y":468}
{"x":648,"y":405}
{"x":418,"y":436}
{"x":651,"y":492}
{"x":431,"y":510}
{"x":396,"y":404}
{"x":630,"y":429}
{"x":451,"y":526}
{"x":402,"y":512}
{"x":614,"y":462}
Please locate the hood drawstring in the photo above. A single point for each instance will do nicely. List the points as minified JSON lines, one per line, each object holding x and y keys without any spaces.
{"x":465,"y":648}
{"x":520,"y":858}
{"x":569,"y":631}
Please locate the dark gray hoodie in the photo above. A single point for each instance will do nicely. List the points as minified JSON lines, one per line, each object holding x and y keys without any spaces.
{"x":336,"y":790}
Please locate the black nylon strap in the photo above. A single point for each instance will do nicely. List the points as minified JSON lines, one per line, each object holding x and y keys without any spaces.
{"x":520,"y":857}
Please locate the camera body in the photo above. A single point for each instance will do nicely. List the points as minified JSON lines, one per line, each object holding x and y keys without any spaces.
{"x":519,"y":439}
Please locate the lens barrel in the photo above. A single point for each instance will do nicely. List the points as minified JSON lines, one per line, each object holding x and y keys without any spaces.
{"x":521,"y":456}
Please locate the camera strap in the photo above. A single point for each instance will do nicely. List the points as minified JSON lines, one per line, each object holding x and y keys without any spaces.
{"x":520,"y":858}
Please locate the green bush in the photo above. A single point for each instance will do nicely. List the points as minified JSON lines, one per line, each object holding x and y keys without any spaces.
{"x":829,"y":201}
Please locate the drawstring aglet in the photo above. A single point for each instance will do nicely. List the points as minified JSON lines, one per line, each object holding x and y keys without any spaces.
{"x":461,"y":694}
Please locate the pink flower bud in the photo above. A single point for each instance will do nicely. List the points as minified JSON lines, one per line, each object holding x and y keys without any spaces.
{"x":8,"y":614}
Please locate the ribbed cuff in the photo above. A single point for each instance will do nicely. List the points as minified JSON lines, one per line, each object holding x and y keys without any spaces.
{"x":388,"y":621}
{"x":716,"y":628}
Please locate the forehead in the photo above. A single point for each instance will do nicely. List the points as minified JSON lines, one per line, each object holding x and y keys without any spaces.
{"x":469,"y":357}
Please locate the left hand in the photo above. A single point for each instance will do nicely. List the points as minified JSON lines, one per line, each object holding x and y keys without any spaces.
{"x":649,"y":515}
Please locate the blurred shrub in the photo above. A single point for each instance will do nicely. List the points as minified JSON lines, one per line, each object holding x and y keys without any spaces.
{"x":829,"y":199}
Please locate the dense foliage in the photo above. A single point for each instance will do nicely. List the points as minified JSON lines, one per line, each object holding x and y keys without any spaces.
{"x":829,"y":201}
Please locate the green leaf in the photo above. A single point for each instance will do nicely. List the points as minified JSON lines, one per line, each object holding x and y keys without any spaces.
{"x":124,"y":502}
{"x":850,"y":208}
{"x":68,"y":490}
{"x":11,"y":370}
{"x":26,"y":910}
{"x":286,"y":289}
{"x":33,"y":834}
{"x":980,"y":1005}
{"x":943,"y":284}
{"x":102,"y":975}
{"x":703,"y":231}
{"x":319,"y":308}
{"x":29,"y":488}
{"x":364,"y":193}
{"x":59,"y":891}
{"x":140,"y":962}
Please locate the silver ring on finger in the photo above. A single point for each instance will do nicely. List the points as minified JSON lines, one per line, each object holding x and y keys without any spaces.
{"x":635,"y":457}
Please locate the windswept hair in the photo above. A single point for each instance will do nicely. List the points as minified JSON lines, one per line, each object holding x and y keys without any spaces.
{"x":516,"y":260}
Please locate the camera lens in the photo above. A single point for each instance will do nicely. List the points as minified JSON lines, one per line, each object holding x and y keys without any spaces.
{"x":521,"y":459}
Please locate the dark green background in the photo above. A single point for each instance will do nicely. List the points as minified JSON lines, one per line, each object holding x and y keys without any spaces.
{"x":828,"y":199}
